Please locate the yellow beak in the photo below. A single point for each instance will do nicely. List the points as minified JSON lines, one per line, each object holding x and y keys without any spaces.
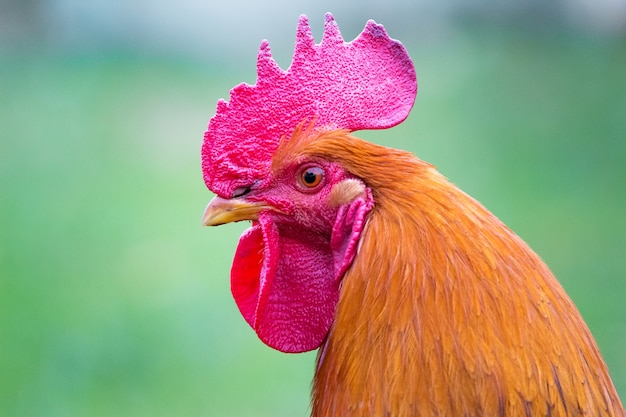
{"x":221,"y":211}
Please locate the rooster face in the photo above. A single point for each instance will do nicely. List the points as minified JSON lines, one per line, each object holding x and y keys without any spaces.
{"x":307,"y":217}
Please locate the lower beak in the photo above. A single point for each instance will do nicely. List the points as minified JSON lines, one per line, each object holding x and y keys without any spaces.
{"x":221,"y":211}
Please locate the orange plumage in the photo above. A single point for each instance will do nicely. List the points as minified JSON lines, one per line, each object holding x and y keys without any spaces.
{"x":445,"y":311}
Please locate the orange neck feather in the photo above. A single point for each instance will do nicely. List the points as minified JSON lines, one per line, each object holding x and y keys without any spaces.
{"x":445,"y":311}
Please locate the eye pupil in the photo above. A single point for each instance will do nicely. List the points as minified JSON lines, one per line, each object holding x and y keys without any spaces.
{"x":311,"y":177}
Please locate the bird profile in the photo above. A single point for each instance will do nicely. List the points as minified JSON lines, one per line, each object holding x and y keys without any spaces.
{"x":419,"y":300}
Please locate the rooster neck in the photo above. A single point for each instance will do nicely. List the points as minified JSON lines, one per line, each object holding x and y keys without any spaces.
{"x":461,"y":318}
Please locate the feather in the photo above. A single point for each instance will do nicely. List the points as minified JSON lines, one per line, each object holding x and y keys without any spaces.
{"x":445,"y":311}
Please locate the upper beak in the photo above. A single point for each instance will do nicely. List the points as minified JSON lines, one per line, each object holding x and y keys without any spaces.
{"x":221,"y":211}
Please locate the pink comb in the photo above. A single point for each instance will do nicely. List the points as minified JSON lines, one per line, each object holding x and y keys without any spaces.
{"x":368,"y":83}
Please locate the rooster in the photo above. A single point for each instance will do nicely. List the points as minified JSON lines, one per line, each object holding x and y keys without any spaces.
{"x":420,"y":301}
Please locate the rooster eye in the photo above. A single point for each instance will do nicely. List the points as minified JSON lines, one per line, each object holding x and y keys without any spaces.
{"x":311,"y":177}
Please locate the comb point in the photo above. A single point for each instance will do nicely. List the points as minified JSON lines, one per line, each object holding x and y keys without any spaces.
{"x":305,"y":43}
{"x":328,"y":18}
{"x":266,"y":66}
{"x":331,"y":30}
{"x":221,"y":105}
{"x":304,"y":30}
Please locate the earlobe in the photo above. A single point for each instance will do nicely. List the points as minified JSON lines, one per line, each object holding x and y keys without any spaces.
{"x":346,"y":191}
{"x":349,"y":224}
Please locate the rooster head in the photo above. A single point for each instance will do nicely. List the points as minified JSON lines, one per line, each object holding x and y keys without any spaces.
{"x":307,"y":214}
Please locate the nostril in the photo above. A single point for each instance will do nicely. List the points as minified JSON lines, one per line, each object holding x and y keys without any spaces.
{"x":241,"y":191}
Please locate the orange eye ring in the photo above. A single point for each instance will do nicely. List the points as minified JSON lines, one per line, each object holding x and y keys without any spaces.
{"x":311,"y":177}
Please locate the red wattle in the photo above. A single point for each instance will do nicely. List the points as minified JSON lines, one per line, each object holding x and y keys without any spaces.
{"x":245,"y":272}
{"x":285,"y":278}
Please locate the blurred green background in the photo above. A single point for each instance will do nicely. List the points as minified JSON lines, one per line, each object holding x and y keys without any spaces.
{"x":115,"y":301}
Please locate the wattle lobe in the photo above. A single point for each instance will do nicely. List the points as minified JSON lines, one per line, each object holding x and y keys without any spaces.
{"x":245,"y":272}
{"x":284,"y":285}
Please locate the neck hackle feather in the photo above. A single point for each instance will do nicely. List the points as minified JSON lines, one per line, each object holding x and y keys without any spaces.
{"x":447,"y":312}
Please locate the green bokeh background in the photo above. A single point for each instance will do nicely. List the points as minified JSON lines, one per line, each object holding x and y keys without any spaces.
{"x":115,"y":301}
